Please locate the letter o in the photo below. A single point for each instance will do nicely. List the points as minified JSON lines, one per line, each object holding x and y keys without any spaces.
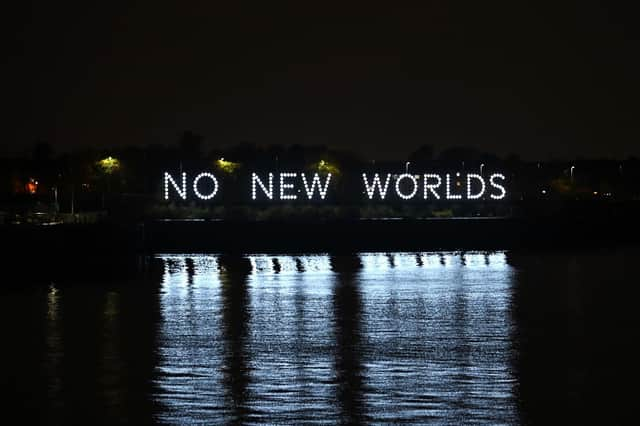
{"x":415,"y":186}
{"x":215,"y":186}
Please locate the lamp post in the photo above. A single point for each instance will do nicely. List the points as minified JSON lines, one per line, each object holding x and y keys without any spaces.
{"x":481,"y":167}
{"x":108,"y":166}
{"x":406,"y":166}
{"x":572,"y":167}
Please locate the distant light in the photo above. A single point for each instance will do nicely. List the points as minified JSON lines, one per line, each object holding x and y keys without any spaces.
{"x":544,"y":191}
{"x":227,"y":166}
{"x":32,"y":186}
{"x":327,"y":168}
{"x":109,"y":165}
{"x":595,"y":192}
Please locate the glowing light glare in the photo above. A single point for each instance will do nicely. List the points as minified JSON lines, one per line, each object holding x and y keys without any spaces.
{"x":492,"y":181}
{"x":284,"y":186}
{"x":32,"y":186}
{"x":227,"y":166}
{"x":371,"y":189}
{"x":182,"y":192}
{"x":415,"y":186}
{"x":109,"y":165}
{"x":471,"y":196}
{"x":215,"y":186}
{"x":431,"y":187}
{"x":451,"y":196}
{"x":268,"y":192}
{"x":326,"y":167}
{"x":316,"y":181}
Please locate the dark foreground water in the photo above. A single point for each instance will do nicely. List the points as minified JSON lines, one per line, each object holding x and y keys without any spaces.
{"x":454,"y":338}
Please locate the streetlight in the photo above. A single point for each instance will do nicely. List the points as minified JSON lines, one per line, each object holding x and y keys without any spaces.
{"x":327,"y":167}
{"x":227,"y":166}
{"x":406,"y":166}
{"x":572,"y":167}
{"x":481,"y":167}
{"x":109,"y":165}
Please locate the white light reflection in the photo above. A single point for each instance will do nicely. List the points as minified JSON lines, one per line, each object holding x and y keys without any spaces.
{"x":176,"y":271}
{"x":456,"y":316}
{"x":54,"y":343}
{"x":263,"y":264}
{"x":408,"y":261}
{"x":189,"y":333}
{"x":52,"y":303}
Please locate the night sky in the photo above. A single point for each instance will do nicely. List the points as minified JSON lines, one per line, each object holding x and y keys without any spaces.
{"x":539,"y":80}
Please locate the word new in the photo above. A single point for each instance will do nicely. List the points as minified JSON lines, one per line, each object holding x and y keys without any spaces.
{"x":428,"y":186}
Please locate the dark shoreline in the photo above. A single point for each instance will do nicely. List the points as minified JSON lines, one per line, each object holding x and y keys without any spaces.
{"x":386,"y":235}
{"x":219,"y":236}
{"x":70,"y":252}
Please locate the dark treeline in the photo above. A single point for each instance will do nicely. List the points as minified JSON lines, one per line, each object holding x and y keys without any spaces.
{"x":108,"y":180}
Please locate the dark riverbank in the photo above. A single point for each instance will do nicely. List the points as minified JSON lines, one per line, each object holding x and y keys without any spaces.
{"x":117,"y":240}
{"x":382,"y":235}
{"x":68,"y":250}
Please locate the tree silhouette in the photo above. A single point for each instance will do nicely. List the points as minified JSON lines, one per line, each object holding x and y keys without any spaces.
{"x":42,"y":152}
{"x":190,"y":145}
{"x":424,"y":153}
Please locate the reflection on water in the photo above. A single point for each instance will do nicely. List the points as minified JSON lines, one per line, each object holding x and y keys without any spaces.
{"x":453,"y":338}
{"x":370,"y":337}
{"x":347,"y":314}
{"x":234,"y":324}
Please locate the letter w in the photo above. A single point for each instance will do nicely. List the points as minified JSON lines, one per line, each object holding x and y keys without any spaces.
{"x":316,"y":182}
{"x":371,"y":189}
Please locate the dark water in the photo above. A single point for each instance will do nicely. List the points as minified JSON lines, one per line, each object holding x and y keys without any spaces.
{"x":453,"y":338}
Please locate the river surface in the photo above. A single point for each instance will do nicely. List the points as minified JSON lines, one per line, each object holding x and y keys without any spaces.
{"x":440,"y":338}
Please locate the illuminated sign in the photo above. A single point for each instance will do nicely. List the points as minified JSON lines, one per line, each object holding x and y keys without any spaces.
{"x":290,"y":186}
